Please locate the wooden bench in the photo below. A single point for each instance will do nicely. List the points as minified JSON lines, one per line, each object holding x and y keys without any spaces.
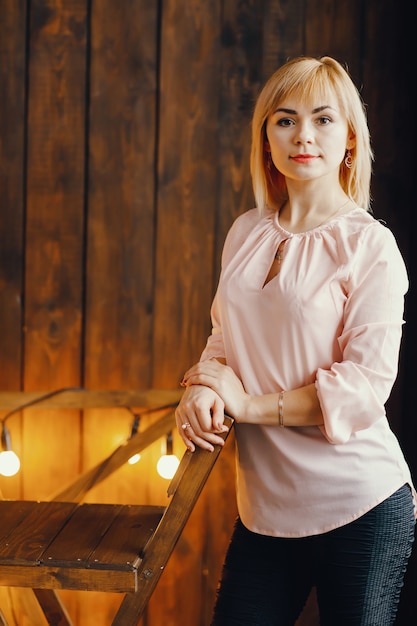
{"x":62,"y":544}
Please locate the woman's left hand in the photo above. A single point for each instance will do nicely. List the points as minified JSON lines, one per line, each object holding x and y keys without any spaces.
{"x":222,"y":379}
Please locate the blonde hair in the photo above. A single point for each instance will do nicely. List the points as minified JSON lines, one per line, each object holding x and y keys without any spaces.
{"x":304,"y":78}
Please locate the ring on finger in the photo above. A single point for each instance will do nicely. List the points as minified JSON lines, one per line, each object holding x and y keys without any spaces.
{"x":185,"y":425}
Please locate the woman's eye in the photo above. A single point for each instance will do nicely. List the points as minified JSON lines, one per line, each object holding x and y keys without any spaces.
{"x":285,"y":121}
{"x":323,"y":120}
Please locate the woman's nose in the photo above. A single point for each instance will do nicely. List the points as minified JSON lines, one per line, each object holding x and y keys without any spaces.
{"x":304,"y":134}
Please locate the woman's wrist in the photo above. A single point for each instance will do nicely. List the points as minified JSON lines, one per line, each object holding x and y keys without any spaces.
{"x":260,"y":410}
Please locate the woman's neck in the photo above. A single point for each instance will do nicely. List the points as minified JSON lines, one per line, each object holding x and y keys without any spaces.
{"x":304,"y":212}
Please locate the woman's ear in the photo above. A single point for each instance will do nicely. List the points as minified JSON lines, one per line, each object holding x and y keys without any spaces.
{"x":267,"y":146}
{"x":351,"y":142}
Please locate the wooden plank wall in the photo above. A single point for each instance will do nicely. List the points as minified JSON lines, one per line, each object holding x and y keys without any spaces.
{"x":124,"y":146}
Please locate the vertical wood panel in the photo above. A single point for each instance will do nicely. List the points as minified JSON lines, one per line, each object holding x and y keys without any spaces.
{"x":54,"y":235}
{"x":120,"y":241}
{"x":241,"y":78}
{"x":55,"y":186}
{"x":335,"y":29}
{"x":12,"y":128}
{"x":121,"y":217}
{"x":17,"y":605}
{"x":283,"y":33}
{"x":187,"y":195}
{"x":12,"y":155}
{"x":187,"y":186}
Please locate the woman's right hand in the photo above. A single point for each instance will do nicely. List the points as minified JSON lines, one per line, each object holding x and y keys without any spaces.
{"x":199,"y":416}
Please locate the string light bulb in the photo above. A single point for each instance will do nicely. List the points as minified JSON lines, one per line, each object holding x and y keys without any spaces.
{"x":168,"y":463}
{"x":134,"y":459}
{"x":9,"y":461}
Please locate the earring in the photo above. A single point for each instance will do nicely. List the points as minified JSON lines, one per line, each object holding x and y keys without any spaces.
{"x":348,"y":159}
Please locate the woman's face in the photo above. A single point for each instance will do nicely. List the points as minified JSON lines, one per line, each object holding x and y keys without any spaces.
{"x":308,"y":140}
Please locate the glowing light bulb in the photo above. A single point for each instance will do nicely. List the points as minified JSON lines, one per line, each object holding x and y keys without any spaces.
{"x":134,"y":459}
{"x":9,"y":463}
{"x":167,"y":465}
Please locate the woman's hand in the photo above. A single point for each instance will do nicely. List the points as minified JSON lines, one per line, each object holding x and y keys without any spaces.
{"x":221,"y":379}
{"x":200,"y":417}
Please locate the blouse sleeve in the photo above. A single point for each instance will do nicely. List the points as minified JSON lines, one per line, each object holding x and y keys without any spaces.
{"x":214,"y":346}
{"x":353,"y":392}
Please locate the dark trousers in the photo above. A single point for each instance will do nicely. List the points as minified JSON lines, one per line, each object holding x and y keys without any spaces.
{"x":358,"y":571}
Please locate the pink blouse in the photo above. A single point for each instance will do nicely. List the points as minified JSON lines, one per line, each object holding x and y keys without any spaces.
{"x":333,"y":316}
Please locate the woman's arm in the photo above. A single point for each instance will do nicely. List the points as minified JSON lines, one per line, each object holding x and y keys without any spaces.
{"x":300,"y":407}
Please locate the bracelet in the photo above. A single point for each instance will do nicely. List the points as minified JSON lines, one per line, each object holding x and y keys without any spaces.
{"x":281,"y":409}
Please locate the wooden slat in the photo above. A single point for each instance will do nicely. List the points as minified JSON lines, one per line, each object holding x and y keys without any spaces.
{"x":50,"y":578}
{"x":75,"y":542}
{"x":12,"y":155}
{"x":160,"y":547}
{"x":33,"y":533}
{"x":11,"y":514}
{"x":283,"y":33}
{"x":53,"y":609}
{"x":20,"y":607}
{"x":89,"y":398}
{"x":12,"y":172}
{"x":55,"y":219}
{"x":103,"y":536}
{"x":241,"y":77}
{"x":337,"y":32}
{"x":121,"y":192}
{"x":78,"y":488}
{"x":123,"y":544}
{"x":55,"y":193}
{"x":187,"y":187}
{"x":50,"y":542}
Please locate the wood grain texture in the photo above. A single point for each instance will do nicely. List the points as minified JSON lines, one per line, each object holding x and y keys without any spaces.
{"x":187,"y":189}
{"x":54,"y":230}
{"x":284,"y":24}
{"x":241,"y":80}
{"x":12,"y":166}
{"x":55,"y":194}
{"x":73,"y":398}
{"x":12,"y":206}
{"x":121,"y":194}
{"x":336,"y":28}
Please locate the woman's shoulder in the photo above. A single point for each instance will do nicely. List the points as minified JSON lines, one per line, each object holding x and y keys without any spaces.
{"x":365,"y":241}
{"x":246,"y":220}
{"x":243,"y":225}
{"x":239,"y":231}
{"x":364,"y":226}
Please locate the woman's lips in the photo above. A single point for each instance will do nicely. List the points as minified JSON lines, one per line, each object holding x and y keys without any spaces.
{"x":304,"y":158}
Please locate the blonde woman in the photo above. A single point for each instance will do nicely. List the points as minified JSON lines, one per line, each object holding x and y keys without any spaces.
{"x":307,"y":323}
